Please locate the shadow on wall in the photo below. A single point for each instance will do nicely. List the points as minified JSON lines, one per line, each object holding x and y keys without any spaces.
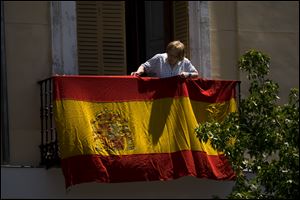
{"x":41,"y":183}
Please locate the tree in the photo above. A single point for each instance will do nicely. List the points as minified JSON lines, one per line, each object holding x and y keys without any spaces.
{"x":261,"y":138}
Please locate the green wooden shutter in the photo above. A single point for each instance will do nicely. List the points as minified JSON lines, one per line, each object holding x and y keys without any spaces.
{"x":181,"y":23}
{"x":101,"y":37}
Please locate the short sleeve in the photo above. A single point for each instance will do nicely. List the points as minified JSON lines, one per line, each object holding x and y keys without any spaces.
{"x":151,"y":63}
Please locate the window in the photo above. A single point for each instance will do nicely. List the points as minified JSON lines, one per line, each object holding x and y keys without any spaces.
{"x":101,"y":37}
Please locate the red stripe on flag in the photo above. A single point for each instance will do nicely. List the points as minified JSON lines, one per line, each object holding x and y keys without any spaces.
{"x":146,"y":167}
{"x":129,"y":88}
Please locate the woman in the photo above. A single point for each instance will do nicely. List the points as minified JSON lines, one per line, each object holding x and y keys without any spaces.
{"x":171,"y":63}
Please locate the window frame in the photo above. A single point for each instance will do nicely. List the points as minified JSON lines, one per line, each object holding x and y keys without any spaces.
{"x":5,"y":153}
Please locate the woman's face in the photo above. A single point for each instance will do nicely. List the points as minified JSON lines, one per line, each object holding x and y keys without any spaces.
{"x":173,"y":57}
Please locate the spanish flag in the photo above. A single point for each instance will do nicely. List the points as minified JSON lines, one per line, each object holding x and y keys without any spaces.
{"x":125,"y":128}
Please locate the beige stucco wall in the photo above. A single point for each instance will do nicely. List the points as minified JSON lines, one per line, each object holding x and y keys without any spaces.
{"x":223,"y":34}
{"x":269,"y":26}
{"x":28,"y":56}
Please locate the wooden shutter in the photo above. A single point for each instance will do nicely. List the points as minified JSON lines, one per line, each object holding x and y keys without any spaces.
{"x":101,"y":37}
{"x":88,"y":37}
{"x":181,"y":23}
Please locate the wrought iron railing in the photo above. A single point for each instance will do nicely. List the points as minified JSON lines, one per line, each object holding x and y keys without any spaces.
{"x":49,"y":146}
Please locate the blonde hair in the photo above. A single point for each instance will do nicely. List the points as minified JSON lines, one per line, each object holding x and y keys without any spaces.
{"x":178,"y":47}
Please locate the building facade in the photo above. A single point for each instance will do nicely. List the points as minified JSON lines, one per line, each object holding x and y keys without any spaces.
{"x":43,"y":38}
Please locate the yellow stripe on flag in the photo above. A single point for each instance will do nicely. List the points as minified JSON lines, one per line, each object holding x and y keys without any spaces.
{"x":135,"y":127}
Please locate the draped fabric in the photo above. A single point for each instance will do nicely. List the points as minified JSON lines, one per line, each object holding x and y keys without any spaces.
{"x":124,"y":128}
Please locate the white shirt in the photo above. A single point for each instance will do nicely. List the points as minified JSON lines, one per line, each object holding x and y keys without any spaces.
{"x":158,"y":66}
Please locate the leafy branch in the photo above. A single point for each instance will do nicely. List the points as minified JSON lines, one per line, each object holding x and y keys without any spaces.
{"x":262,"y":138}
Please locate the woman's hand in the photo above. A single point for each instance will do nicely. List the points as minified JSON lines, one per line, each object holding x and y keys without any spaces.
{"x":139,"y":72}
{"x":136,"y":73}
{"x":185,"y":74}
{"x":189,"y":74}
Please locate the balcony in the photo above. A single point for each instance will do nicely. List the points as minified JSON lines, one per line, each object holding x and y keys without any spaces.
{"x":49,"y":145}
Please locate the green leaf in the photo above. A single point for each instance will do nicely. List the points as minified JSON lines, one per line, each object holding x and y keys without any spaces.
{"x":266,"y":135}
